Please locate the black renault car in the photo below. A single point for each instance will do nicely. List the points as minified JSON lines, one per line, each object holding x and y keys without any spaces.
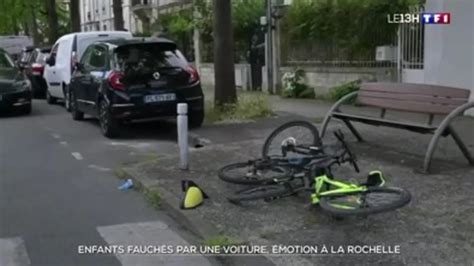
{"x":126,"y":80}
{"x":15,"y":89}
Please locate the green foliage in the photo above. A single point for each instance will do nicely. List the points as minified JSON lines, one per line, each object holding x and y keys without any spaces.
{"x":340,"y":91}
{"x":355,"y":26}
{"x":246,"y":21}
{"x":245,"y":18}
{"x":153,"y":197}
{"x":294,"y":86}
{"x":121,"y":173}
{"x":178,"y":26}
{"x":249,"y":106}
{"x":16,"y":17}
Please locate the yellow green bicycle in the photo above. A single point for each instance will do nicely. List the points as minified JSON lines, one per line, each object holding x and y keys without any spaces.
{"x":336,"y":197}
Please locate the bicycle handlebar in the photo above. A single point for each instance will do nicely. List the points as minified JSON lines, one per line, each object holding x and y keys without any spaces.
{"x":290,"y":145}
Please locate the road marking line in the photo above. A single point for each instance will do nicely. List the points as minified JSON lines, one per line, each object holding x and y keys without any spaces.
{"x":13,"y":252}
{"x":64,"y":143}
{"x":77,"y":155}
{"x":155,"y":233}
{"x":56,"y":136}
{"x":100,"y":168}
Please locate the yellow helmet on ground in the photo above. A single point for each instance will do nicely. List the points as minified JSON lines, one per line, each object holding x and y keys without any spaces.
{"x":193,"y":195}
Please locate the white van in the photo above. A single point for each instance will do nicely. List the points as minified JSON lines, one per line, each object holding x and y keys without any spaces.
{"x":65,"y":53}
{"x":14,"y":44}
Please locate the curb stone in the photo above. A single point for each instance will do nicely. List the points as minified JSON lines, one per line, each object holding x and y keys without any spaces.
{"x":197,"y":225}
{"x":193,"y":222}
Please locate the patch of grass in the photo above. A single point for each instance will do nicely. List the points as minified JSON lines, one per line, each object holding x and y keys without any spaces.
{"x":153,"y":197}
{"x":120,"y":173}
{"x":220,"y":240}
{"x":249,"y":106}
{"x":148,"y":159}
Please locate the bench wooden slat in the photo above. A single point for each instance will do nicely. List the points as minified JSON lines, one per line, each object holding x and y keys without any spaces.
{"x":421,"y":128}
{"x":411,"y":106}
{"x":413,"y":97}
{"x":423,"y":89}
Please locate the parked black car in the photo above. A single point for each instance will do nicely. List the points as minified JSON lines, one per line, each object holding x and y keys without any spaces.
{"x":34,"y":69}
{"x":125,"y":80}
{"x":15,"y":89}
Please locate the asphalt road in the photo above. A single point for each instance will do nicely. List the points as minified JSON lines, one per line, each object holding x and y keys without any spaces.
{"x":58,"y":191}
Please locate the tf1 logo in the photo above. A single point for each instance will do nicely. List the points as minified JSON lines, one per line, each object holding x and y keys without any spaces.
{"x":425,"y":18}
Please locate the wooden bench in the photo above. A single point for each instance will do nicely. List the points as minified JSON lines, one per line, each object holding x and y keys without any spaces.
{"x":418,"y":98}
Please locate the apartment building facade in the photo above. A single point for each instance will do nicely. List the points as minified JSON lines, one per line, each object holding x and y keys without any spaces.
{"x":97,"y":15}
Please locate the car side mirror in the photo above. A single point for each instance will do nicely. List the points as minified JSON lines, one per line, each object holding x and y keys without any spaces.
{"x":51,"y":61}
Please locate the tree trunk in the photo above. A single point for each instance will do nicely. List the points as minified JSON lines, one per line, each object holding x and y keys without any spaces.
{"x":224,"y":73}
{"x":34,"y":27}
{"x":53,"y":32}
{"x":16,"y":30}
{"x":75,"y":14}
{"x":118,"y":15}
{"x":26,"y":29}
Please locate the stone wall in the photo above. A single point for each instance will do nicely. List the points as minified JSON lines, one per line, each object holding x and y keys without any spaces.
{"x":319,"y":78}
{"x":242,"y":75}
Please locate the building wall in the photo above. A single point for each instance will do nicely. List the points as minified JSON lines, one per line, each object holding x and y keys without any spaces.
{"x":98,"y":15}
{"x":449,"y":49}
{"x":101,"y":13}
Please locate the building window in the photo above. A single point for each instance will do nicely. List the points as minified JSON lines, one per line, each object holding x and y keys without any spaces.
{"x":105,"y":27}
{"x":89,"y":15}
{"x":103,"y":10}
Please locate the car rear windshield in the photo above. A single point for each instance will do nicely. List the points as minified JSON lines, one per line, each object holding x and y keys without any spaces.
{"x":149,"y":57}
{"x":5,"y":61}
{"x":41,"y":59}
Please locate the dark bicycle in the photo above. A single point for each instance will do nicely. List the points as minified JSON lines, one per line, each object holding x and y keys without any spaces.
{"x":336,"y":197}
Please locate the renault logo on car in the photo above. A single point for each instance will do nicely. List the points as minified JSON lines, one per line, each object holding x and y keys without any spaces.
{"x":156,"y":75}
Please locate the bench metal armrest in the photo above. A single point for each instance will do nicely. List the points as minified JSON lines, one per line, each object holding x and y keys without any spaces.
{"x":334,"y":108}
{"x":443,"y":126}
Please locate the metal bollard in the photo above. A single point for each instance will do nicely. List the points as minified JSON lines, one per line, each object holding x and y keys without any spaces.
{"x":182,"y":122}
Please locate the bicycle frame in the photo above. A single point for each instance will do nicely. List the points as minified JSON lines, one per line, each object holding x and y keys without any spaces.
{"x":340,"y":188}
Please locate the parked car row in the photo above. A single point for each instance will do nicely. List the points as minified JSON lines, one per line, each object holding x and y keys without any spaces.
{"x":114,"y":77}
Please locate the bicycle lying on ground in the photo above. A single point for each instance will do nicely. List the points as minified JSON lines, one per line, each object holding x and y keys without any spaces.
{"x":313,"y":174}
{"x":281,"y":163}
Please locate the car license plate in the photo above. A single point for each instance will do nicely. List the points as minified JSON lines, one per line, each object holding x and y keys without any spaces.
{"x":160,"y":98}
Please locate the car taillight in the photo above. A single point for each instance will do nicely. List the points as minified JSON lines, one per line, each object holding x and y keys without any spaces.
{"x":193,"y":74}
{"x":115,"y":81}
{"x":37,"y":69}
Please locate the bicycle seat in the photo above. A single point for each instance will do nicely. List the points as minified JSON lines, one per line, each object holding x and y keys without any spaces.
{"x":374,"y":179}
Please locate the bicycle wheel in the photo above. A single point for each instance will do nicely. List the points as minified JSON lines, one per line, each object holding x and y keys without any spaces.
{"x":261,"y":193}
{"x":373,"y":200}
{"x":304,"y":132}
{"x":250,"y":174}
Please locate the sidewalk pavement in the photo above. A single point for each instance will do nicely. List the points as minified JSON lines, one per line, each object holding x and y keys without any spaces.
{"x":435,"y":228}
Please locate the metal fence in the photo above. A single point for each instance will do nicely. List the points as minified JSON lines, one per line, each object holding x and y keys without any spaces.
{"x":407,"y":42}
{"x":411,"y":42}
{"x":330,"y":54}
